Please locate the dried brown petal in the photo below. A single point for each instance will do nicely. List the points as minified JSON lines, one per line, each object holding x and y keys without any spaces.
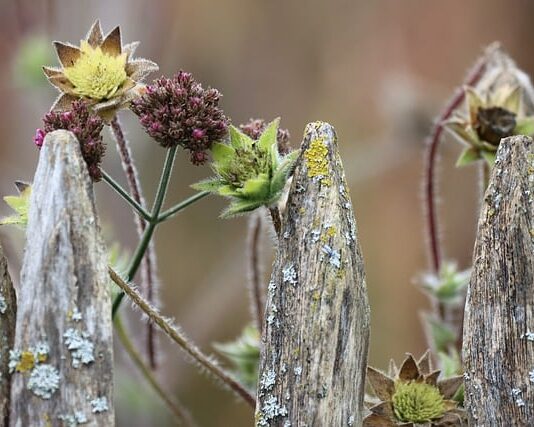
{"x":112,"y":43}
{"x":67,"y":53}
{"x":377,"y":421}
{"x":382,"y":385}
{"x":409,"y":370}
{"x":138,"y":69}
{"x":94,"y":36}
{"x":424,"y":363}
{"x":432,"y":378}
{"x":384,"y":409}
{"x":448,"y":387}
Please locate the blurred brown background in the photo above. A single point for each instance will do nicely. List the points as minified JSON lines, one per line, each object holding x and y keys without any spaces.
{"x":377,"y":70}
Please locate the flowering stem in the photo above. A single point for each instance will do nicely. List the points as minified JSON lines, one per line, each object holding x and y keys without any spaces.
{"x":149,"y":231}
{"x":255,"y":289}
{"x":431,"y":156}
{"x":180,"y":412}
{"x":124,"y":194}
{"x":182,"y":205}
{"x":149,"y":262}
{"x":179,"y":338}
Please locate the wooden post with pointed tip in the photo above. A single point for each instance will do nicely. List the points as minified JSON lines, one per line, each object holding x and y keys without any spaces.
{"x":316,"y":330}
{"x":498,"y":347}
{"x":8,"y":314}
{"x":63,"y":352}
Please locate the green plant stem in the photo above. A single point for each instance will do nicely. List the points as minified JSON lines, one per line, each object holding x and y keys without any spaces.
{"x":182,"y":205}
{"x":180,"y":412}
{"x":124,"y":194}
{"x":179,"y":338}
{"x":149,"y":231}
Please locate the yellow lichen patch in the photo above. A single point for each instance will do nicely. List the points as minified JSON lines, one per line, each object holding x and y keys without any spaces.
{"x":329,"y":233}
{"x":42,"y":357}
{"x":26,"y":362}
{"x":317,"y":161}
{"x":96,"y":74}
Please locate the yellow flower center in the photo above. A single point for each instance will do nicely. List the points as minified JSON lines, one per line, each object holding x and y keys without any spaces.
{"x":417,"y":402}
{"x":96,"y":75}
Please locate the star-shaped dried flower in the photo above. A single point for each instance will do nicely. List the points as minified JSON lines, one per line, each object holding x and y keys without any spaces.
{"x":500,"y":105}
{"x":413,"y":396}
{"x":101,"y":71}
{"x":252,"y":173}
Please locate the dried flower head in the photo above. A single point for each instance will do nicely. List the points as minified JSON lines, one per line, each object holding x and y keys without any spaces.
{"x":85,"y":126}
{"x":251,"y":173}
{"x":255,"y":127}
{"x":412,"y":395}
{"x":499,"y":106}
{"x":101,"y":71}
{"x":179,"y":111}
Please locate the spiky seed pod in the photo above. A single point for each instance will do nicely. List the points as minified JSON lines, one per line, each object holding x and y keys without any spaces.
{"x":101,"y":71}
{"x":179,"y":111}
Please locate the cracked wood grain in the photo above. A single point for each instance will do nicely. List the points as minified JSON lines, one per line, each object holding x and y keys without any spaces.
{"x":63,"y":356}
{"x":498,"y":347}
{"x":8,"y":314}
{"x":316,"y":328}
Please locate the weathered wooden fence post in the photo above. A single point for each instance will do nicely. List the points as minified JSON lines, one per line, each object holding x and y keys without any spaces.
{"x":62,"y":360}
{"x":314,"y":355}
{"x":499,"y":318}
{"x":8,"y":313}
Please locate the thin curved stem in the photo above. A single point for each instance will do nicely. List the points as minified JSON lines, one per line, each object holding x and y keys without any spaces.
{"x":179,"y":338}
{"x":148,"y":273}
{"x":254,"y":282}
{"x":277,"y":220}
{"x":149,"y":231}
{"x":179,"y":411}
{"x":182,"y":205}
{"x":430,"y":164}
{"x":124,"y":194}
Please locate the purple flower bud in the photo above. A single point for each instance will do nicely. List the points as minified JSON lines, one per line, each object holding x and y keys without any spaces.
{"x":38,"y":139}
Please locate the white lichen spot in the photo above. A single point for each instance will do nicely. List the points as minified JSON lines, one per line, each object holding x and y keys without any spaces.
{"x":81,"y":349}
{"x":516,"y":393}
{"x":43,"y":381}
{"x":286,"y":235}
{"x":73,"y":420}
{"x":270,"y":319}
{"x":531,"y":376}
{"x":268,"y":380}
{"x":290,"y":274}
{"x":270,"y":410}
{"x":350,"y":421}
{"x":3,"y":304}
{"x":271,"y":287}
{"x":283,"y":368}
{"x":529,"y":336}
{"x":287,"y":423}
{"x":298,"y":371}
{"x":14,"y":359}
{"x":315,"y":235}
{"x":334,"y":257}
{"x":76,"y":315}
{"x":41,"y":351}
{"x":100,"y":404}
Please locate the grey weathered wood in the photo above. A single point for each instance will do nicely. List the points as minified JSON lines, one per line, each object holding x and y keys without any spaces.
{"x":64,"y":307}
{"x":498,"y":344}
{"x":8,"y":314}
{"x":314,"y":352}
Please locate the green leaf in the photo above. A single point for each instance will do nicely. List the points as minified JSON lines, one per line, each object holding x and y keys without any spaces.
{"x":525,"y":126}
{"x":222,"y":154}
{"x":238,"y":139}
{"x":240,"y":207}
{"x":468,"y":156}
{"x":281,"y":174}
{"x":489,"y":157}
{"x":210,"y":184}
{"x":256,"y":188}
{"x":268,"y":136}
{"x":20,"y":204}
{"x":227,"y":191}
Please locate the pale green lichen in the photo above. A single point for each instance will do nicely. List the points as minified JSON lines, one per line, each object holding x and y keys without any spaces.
{"x":316,"y":156}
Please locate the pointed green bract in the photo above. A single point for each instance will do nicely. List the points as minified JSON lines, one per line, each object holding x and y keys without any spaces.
{"x":468,"y":156}
{"x":252,"y":173}
{"x":20,"y":204}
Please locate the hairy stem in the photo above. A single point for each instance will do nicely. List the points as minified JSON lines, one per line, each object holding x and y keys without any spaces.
{"x":430,"y":160}
{"x":254,"y":267}
{"x":144,"y":244}
{"x":148,"y":273}
{"x":179,"y":338}
{"x":181,"y":414}
{"x":124,"y":194}
{"x":182,"y":205}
